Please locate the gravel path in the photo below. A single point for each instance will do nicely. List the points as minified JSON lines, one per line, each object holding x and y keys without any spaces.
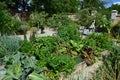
{"x":48,"y":32}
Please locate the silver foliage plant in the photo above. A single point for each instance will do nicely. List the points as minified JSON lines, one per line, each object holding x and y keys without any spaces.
{"x":9,"y":43}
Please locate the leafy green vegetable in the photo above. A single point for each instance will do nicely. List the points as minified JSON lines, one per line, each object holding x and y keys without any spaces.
{"x":35,"y":76}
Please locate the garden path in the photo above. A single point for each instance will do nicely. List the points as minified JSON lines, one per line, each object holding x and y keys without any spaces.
{"x":48,"y":32}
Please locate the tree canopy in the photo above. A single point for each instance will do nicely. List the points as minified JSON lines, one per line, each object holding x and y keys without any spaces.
{"x":98,"y":4}
{"x":56,"y":6}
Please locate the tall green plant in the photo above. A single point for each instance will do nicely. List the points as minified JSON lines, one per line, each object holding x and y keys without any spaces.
{"x":106,"y":24}
{"x":56,"y":6}
{"x":58,"y":20}
{"x":85,"y":18}
{"x":8,"y":24}
{"x":38,"y":19}
{"x":95,"y":40}
{"x":46,"y":45}
{"x":69,"y":32}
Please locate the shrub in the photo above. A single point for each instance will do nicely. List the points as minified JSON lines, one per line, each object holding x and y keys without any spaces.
{"x":85,"y":18}
{"x":58,"y":20}
{"x":26,"y":47}
{"x":8,"y":25}
{"x":51,"y":53}
{"x":56,"y":64}
{"x":38,"y":19}
{"x":69,"y":32}
{"x":3,"y":6}
{"x":46,"y":45}
{"x":98,"y":40}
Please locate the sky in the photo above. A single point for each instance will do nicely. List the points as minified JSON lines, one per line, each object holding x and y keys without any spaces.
{"x":113,"y":2}
{"x":116,"y":1}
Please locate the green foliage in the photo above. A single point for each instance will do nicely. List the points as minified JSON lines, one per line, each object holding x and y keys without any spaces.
{"x":42,"y":45}
{"x":105,"y":23}
{"x":16,"y":25}
{"x":18,"y":66}
{"x":8,"y":25}
{"x":61,"y":63}
{"x":110,"y":70}
{"x":35,"y":76}
{"x":3,"y":6}
{"x":69,"y":32}
{"x":10,"y":3}
{"x":56,"y":64}
{"x":46,"y":45}
{"x":75,"y":50}
{"x":11,"y":43}
{"x":51,"y":53}
{"x":8,"y":44}
{"x":58,"y":20}
{"x":56,"y":6}
{"x":25,"y":46}
{"x":85,"y":18}
{"x":76,"y":46}
{"x":98,"y":40}
{"x":98,"y":4}
{"x":98,"y":19}
{"x":38,"y":19}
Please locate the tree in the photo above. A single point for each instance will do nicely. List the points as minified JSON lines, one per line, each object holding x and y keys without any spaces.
{"x":93,"y":4}
{"x":8,"y":24}
{"x":2,"y":6}
{"x":21,"y":5}
{"x":115,"y":7}
{"x":10,"y":3}
{"x":58,"y":20}
{"x":36,"y":5}
{"x":56,"y":6}
{"x":98,"y":5}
